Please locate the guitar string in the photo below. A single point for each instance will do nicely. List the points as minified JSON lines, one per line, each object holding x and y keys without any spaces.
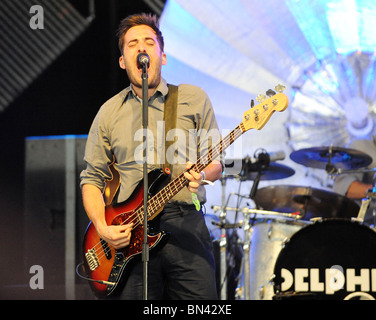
{"x":228,"y":140}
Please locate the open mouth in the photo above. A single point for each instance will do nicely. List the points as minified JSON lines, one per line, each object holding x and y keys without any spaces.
{"x":143,"y":59}
{"x":140,"y":66}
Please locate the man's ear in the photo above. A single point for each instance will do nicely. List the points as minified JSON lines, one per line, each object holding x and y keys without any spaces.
{"x":121,"y":62}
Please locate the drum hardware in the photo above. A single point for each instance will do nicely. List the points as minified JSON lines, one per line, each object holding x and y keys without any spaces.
{"x":284,"y":242}
{"x":316,"y":219}
{"x":262,"y":288}
{"x":371,"y":195}
{"x":262,"y":169}
{"x":362,"y":170}
{"x":244,"y":290}
{"x":246,"y":248}
{"x":363,"y":209}
{"x":224,"y":226}
{"x":269,"y":233}
{"x":295,"y":215}
{"x":360,"y":296}
{"x":261,"y":292}
{"x":223,"y":245}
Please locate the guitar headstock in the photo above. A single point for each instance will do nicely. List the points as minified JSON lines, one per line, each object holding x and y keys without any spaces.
{"x":259,"y":115}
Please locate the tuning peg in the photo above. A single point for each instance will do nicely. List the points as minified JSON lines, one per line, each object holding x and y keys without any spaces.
{"x":261,"y":98}
{"x":270,"y":93}
{"x":280,"y":88}
{"x":252,"y":103}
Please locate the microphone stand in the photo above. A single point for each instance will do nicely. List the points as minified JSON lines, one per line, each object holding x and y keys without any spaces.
{"x":263,"y":161}
{"x":145,"y":247}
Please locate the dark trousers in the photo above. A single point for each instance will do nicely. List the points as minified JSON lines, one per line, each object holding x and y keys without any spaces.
{"x":184,"y":268}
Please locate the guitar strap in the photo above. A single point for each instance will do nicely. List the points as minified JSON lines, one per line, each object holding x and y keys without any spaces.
{"x":170,"y":113}
{"x":170,"y":116}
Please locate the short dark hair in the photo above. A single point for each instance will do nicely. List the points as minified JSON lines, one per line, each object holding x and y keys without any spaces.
{"x":147,"y":19}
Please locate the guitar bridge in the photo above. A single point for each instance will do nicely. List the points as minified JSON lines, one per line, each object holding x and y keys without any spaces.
{"x":92,"y":259}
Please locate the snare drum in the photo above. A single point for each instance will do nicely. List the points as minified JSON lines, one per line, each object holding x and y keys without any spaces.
{"x":329,"y":259}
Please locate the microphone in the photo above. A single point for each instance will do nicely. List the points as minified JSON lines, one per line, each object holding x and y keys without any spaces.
{"x":143,"y":59}
{"x":263,"y":160}
{"x":267,"y":157}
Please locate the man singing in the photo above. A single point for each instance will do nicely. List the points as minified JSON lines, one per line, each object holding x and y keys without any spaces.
{"x":184,"y":267}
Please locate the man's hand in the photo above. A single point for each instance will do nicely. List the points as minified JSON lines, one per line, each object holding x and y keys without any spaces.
{"x":116,"y":236}
{"x":194,"y":178}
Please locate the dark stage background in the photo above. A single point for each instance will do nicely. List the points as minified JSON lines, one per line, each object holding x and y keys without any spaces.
{"x":63,"y":100}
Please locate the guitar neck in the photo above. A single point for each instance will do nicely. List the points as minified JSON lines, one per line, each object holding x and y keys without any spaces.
{"x":157,"y":202}
{"x":254,"y":118}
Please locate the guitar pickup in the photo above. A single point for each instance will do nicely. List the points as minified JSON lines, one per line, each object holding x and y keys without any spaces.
{"x":106,"y":249}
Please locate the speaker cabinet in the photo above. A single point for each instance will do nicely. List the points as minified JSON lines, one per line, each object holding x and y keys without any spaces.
{"x":54,"y":218}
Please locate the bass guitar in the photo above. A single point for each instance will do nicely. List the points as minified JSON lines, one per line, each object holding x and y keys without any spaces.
{"x":105,"y":267}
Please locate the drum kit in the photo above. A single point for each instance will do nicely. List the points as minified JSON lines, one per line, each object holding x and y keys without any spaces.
{"x":299,"y":242}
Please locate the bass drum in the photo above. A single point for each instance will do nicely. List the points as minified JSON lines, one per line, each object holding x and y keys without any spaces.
{"x":331,"y":259}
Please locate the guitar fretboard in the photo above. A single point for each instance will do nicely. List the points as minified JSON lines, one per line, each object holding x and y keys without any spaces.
{"x":158,"y":201}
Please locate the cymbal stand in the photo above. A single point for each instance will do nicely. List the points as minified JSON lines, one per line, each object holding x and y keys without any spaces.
{"x":223,"y":244}
{"x":337,"y":171}
{"x":246,"y":256}
{"x":256,"y":212}
{"x":247,"y":239}
{"x":243,"y":290}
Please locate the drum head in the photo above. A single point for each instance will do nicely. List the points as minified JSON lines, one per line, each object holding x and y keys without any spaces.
{"x":331,"y":259}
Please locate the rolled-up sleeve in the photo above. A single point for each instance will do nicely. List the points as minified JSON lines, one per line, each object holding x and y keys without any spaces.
{"x":98,"y":155}
{"x":343,"y":181}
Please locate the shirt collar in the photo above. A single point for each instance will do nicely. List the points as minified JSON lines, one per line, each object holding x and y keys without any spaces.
{"x":161,"y":89}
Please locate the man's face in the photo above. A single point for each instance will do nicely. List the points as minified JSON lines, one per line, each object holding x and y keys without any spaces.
{"x":142,"y":39}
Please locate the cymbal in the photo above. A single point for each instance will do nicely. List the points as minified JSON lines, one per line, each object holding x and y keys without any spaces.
{"x":245,"y":170}
{"x":341,"y":158}
{"x":310,"y":202}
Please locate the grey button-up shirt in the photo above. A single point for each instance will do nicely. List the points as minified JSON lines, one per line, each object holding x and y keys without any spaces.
{"x":117,"y":131}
